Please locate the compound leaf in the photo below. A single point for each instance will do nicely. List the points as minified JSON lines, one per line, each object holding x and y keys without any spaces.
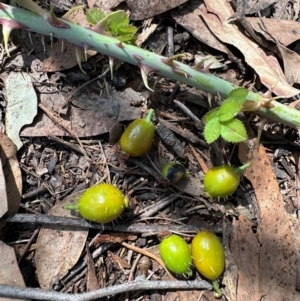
{"x":212,"y":130}
{"x":212,"y":114}
{"x":233,"y":130}
{"x":233,"y":104}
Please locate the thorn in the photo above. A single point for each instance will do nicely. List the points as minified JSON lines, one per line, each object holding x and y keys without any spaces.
{"x":120,"y":45}
{"x":209,"y":98}
{"x":200,"y":65}
{"x":6,"y":33}
{"x":85,"y":50}
{"x":170,"y":61}
{"x":266,"y":102}
{"x":145,"y":79}
{"x":68,"y":14}
{"x":51,"y":39}
{"x":145,"y":70}
{"x":181,"y":72}
{"x":7,"y":27}
{"x":262,"y":123}
{"x":79,"y":53}
{"x":100,"y":26}
{"x":62,"y":45}
{"x":43,"y":43}
{"x":30,"y":38}
{"x":54,"y":21}
{"x":111,"y":66}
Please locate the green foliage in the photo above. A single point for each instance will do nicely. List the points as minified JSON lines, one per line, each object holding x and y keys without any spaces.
{"x":117,"y":24}
{"x":94,"y":15}
{"x":221,"y":121}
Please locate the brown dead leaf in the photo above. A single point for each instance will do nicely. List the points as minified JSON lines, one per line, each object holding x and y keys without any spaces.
{"x":92,"y":281}
{"x":216,"y":15}
{"x":12,"y":175}
{"x":9,"y":269}
{"x":3,"y":199}
{"x":189,"y":18}
{"x":90,"y":115}
{"x":143,"y":9}
{"x":277,"y":256}
{"x":230,"y":278}
{"x":295,"y":225}
{"x":291,"y":61}
{"x":253,"y":6}
{"x":285,"y":31}
{"x":244,"y":247}
{"x":58,"y":248}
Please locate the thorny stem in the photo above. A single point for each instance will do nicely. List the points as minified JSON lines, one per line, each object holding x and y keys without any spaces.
{"x":85,"y":38}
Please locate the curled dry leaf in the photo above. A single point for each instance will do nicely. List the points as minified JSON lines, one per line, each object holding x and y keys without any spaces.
{"x":273,"y":255}
{"x":3,"y":201}
{"x":89,"y":116}
{"x":21,"y":104}
{"x":11,"y":192}
{"x":245,"y":250}
{"x":216,"y":15}
{"x":189,"y":19}
{"x":10,"y":273}
{"x":58,"y":248}
{"x":285,"y":31}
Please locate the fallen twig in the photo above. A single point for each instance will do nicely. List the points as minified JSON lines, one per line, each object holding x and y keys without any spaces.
{"x":14,"y":292}
{"x":81,"y":223}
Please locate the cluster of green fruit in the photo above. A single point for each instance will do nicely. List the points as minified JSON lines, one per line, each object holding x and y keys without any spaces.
{"x":104,"y":203}
{"x":206,"y":254}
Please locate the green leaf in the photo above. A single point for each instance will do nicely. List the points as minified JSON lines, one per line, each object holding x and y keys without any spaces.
{"x":125,"y":29}
{"x":239,"y":95}
{"x":94,"y":15}
{"x":233,"y":104}
{"x":127,"y":33}
{"x":233,"y":131}
{"x":117,"y":24}
{"x":212,"y":114}
{"x":212,"y":130}
{"x":128,"y":38}
{"x":229,"y":110}
{"x":118,"y":19}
